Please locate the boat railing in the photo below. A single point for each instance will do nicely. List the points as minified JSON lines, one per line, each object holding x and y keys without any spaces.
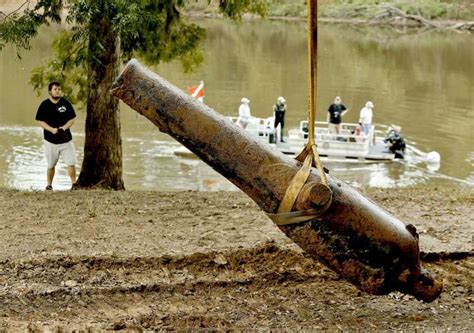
{"x":323,"y":133}
{"x":346,"y":140}
{"x":261,"y":127}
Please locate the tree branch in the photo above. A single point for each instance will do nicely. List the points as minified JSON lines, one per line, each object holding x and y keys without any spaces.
{"x":4,"y":16}
{"x":389,"y":12}
{"x":465,"y":26}
{"x":417,"y":18}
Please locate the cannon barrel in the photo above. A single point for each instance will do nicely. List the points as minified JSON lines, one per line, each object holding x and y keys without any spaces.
{"x":360,"y":241}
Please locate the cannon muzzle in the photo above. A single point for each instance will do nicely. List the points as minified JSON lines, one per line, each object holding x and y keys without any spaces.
{"x":350,"y":234}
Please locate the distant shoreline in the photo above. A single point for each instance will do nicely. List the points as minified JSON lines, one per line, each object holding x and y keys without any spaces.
{"x":7,"y":7}
{"x":441,"y":23}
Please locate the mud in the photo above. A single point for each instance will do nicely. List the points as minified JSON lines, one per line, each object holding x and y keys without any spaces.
{"x":96,"y":260}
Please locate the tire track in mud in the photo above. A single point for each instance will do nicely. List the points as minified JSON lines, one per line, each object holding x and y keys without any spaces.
{"x":204,"y":290}
{"x":117,"y":280}
{"x":258,"y":266}
{"x":80,"y":285}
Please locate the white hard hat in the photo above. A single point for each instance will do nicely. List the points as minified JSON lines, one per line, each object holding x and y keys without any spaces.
{"x":244,"y":100}
{"x":369,"y":104}
{"x":281,"y":99}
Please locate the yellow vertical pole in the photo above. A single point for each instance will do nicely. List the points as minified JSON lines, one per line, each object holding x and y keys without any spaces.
{"x":309,"y":156}
{"x":312,"y":23}
{"x":312,"y":7}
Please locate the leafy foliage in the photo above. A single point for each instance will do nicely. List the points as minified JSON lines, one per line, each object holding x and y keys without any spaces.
{"x":153,"y":30}
{"x":68,"y":67}
{"x":87,"y":54}
{"x":234,"y":8}
{"x":18,"y":29}
{"x":155,"y":33}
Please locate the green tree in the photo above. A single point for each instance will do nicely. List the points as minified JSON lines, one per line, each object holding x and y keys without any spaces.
{"x":98,"y":35}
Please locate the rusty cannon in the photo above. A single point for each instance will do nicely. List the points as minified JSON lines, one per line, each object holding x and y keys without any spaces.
{"x":334,"y":224}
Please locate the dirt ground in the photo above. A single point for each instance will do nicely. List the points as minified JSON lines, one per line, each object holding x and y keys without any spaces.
{"x":137,"y":261}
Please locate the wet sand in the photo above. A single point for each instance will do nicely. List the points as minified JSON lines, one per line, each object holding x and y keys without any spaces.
{"x":97,"y":260}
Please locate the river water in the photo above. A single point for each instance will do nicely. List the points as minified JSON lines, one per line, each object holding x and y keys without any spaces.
{"x":422,"y":82}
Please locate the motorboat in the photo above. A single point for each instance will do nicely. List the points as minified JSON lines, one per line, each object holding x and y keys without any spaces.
{"x":347,"y":146}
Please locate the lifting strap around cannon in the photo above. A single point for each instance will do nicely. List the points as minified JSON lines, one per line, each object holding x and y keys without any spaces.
{"x":309,"y":155}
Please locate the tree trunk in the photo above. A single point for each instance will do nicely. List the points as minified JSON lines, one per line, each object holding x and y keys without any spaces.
{"x":102,"y":163}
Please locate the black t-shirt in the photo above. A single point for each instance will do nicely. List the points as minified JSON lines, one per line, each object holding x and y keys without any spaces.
{"x":279,"y":110}
{"x":335,"y":111}
{"x":56,"y":115}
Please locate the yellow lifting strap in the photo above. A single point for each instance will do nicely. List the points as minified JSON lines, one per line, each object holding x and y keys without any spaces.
{"x":309,"y":155}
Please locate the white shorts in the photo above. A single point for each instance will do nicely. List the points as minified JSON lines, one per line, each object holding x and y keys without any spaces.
{"x":242,"y":123}
{"x":53,"y":151}
{"x":333,"y":128}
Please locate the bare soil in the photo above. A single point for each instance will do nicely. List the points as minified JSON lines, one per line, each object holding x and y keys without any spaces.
{"x":141,"y":261}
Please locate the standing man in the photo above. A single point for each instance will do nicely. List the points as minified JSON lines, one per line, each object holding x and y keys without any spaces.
{"x":279,"y":109}
{"x":56,"y":115}
{"x":335,"y":113}
{"x":366,"y":115}
{"x":244,"y":113}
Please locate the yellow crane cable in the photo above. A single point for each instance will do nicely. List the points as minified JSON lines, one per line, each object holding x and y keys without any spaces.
{"x":312,"y":71}
{"x":312,"y":33}
{"x":309,"y":155}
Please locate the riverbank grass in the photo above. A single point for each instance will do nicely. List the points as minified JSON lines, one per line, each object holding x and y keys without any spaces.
{"x":358,"y":9}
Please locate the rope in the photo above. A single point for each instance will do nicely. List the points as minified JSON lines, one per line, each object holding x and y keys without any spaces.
{"x":312,"y":33}
{"x":309,"y":155}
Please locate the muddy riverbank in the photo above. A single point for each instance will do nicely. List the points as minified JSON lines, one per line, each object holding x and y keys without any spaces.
{"x":97,"y":260}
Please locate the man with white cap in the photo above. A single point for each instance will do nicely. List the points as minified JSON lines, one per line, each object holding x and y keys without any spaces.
{"x":244,"y":113}
{"x":366,"y":117}
{"x":335,"y":113}
{"x":279,"y":110}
